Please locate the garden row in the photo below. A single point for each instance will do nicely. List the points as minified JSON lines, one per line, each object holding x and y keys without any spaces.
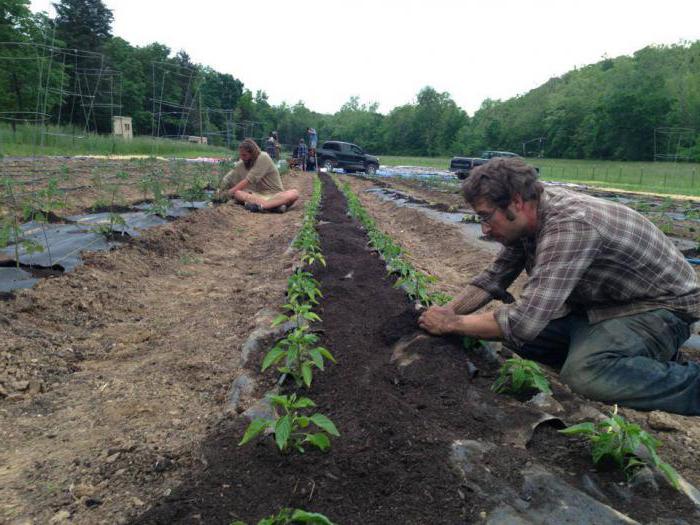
{"x":401,"y":405}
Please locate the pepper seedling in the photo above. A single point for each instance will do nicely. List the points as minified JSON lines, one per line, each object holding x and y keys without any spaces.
{"x":290,"y":428}
{"x":620,"y":441}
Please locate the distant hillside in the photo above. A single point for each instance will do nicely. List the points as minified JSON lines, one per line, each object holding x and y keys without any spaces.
{"x":607,"y":110}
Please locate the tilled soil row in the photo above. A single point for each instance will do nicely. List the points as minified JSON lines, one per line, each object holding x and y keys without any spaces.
{"x":405,"y":418}
{"x":127,"y":362}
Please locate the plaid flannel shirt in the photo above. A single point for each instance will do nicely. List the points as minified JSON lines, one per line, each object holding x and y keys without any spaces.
{"x":589,"y":256}
{"x":302,"y":151}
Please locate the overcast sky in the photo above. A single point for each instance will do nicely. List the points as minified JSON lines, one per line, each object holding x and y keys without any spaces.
{"x":322,"y":53}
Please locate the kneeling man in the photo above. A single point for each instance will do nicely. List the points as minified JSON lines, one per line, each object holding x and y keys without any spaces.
{"x":608,"y":300}
{"x":255,"y":182}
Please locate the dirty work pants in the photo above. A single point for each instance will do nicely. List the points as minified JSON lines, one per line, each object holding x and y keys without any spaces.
{"x":629,"y":360}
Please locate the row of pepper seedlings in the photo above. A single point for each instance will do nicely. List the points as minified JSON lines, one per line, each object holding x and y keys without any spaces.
{"x":298,"y":354}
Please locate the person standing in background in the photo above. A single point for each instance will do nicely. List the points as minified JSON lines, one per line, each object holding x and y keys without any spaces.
{"x":302,"y":153}
{"x":313,"y":138}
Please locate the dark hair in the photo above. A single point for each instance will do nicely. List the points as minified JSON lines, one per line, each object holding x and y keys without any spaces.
{"x":500,"y":179}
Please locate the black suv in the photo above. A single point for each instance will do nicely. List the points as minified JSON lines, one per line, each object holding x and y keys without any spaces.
{"x":350,"y":157}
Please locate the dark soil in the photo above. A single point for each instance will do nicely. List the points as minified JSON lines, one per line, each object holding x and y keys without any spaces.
{"x":390,"y":464}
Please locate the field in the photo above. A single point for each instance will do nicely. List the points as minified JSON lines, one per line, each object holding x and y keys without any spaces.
{"x":656,"y":177}
{"x":27,"y":141}
{"x":127,"y":384}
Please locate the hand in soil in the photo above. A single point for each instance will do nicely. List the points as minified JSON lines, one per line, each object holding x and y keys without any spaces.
{"x":438,"y":320}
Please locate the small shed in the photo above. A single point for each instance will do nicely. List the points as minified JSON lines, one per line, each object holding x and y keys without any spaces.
{"x":121,"y":127}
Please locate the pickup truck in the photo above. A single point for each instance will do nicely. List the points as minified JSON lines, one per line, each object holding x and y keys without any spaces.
{"x":335,"y":154}
{"x":461,"y":166}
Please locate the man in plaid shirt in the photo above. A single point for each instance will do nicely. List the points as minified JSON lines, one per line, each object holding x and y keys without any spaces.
{"x":609,"y":298}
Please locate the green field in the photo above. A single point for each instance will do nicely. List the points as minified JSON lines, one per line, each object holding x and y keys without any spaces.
{"x":656,"y":177}
{"x":29,"y":141}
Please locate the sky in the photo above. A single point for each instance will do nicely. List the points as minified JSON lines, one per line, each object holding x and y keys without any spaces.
{"x":322,"y":53}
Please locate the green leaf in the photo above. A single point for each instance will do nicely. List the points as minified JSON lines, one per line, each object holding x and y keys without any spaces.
{"x":316,"y":357}
{"x":303,"y":402}
{"x":306,"y":373}
{"x":581,"y":428}
{"x":324,"y":423}
{"x":282,"y":401}
{"x":310,"y":517}
{"x":280,"y":319}
{"x":283,"y":429}
{"x":542,"y":384}
{"x":325,"y":353}
{"x":310,"y":316}
{"x":272,"y":357}
{"x":256,"y":427}
{"x":670,"y":474}
{"x":319,"y":440}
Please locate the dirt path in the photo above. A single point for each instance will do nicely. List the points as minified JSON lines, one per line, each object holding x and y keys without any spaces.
{"x":127,"y":362}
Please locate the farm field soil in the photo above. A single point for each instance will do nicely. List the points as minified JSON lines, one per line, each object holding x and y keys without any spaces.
{"x":399,"y":413}
{"x":112,"y":375}
{"x":129,"y":360}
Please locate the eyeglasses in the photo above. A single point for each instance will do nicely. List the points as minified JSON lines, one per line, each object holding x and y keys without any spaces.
{"x":487,"y":218}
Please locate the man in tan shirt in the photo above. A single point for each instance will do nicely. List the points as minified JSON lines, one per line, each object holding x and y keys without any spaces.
{"x":255,"y":182}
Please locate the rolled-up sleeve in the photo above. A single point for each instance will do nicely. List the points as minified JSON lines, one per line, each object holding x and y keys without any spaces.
{"x":563,"y":256}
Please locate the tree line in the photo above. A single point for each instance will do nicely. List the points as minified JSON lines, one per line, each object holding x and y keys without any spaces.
{"x":607,"y":110}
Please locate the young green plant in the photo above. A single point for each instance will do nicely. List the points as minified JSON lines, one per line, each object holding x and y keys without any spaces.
{"x":620,"y":441}
{"x":291,"y":517}
{"x":299,"y":350}
{"x":291,"y":429}
{"x":520,"y":375}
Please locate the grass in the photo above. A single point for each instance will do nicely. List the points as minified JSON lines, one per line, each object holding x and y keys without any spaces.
{"x":431,"y":162}
{"x":654,"y":177}
{"x":27,"y":141}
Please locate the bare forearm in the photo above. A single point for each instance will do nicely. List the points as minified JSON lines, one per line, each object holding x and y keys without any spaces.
{"x":238,"y":187}
{"x":440,"y":320}
{"x":482,"y":326}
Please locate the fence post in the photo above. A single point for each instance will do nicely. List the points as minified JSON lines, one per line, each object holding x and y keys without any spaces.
{"x":692,"y":180}
{"x":593,"y":173}
{"x":641,"y":175}
{"x":619,"y":177}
